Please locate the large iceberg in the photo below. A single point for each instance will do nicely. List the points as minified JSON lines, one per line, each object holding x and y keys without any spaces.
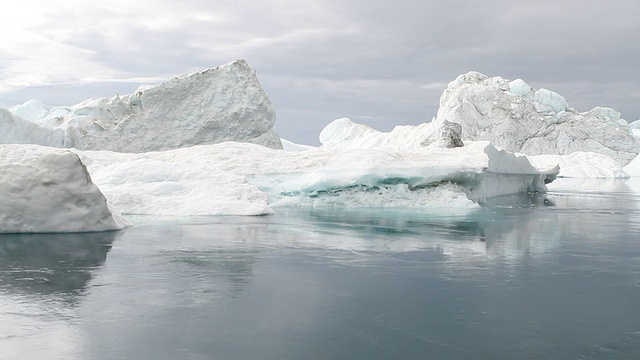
{"x":345,"y":134}
{"x":49,"y":190}
{"x":225,"y":103}
{"x":519,"y":118}
{"x":246,"y":179}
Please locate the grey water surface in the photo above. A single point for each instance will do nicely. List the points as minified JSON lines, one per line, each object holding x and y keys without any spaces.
{"x":538,"y":277}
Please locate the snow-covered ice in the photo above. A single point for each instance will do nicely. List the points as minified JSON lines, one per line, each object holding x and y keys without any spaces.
{"x":187,"y":181}
{"x":49,"y":190}
{"x":635,"y":128}
{"x":246,"y":179}
{"x":514,"y":116}
{"x":345,"y":134}
{"x":586,"y":165}
{"x":225,"y":103}
{"x":633,"y":168}
{"x":291,"y":146}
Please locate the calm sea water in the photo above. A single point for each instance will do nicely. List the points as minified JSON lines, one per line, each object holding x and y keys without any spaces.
{"x":554,"y":277}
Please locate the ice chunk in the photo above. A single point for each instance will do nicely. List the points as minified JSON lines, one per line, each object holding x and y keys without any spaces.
{"x":49,"y":190}
{"x":221,"y":104}
{"x":540,"y":125}
{"x":633,"y":169}
{"x":521,"y":88}
{"x":345,"y":134}
{"x":291,"y":146}
{"x":32,"y":110}
{"x":551,"y":100}
{"x":580,"y":164}
{"x":16,"y":130}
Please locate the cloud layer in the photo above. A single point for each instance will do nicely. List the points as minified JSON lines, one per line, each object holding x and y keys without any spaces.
{"x":382,"y":63}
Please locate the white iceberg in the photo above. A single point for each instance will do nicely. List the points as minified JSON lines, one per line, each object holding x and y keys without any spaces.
{"x":635,"y":128}
{"x":633,"y":168}
{"x":49,"y":190}
{"x":586,"y":165}
{"x":225,"y":103}
{"x":177,"y":182}
{"x":291,"y":146}
{"x":518,"y":118}
{"x":246,"y":179}
{"x":345,"y":134}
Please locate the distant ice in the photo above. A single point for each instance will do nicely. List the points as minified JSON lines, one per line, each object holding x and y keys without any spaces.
{"x":514,"y":116}
{"x":633,"y":168}
{"x":345,"y":134}
{"x":291,"y":146}
{"x":586,"y":165}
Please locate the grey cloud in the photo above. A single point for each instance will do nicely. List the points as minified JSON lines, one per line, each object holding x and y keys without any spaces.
{"x":370,"y":61}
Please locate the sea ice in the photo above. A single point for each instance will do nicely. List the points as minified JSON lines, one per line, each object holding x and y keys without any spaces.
{"x":221,"y":104}
{"x":49,"y":190}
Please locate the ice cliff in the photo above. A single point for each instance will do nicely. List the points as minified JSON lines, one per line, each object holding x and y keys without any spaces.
{"x":225,"y":103}
{"x":519,"y":118}
{"x":49,"y":190}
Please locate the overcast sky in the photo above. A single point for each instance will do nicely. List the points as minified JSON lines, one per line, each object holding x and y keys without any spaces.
{"x":382,"y":63}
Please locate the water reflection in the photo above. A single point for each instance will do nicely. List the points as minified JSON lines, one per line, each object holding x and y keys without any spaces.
{"x":51,"y":263}
{"x":554,"y":276}
{"x":42,"y":280}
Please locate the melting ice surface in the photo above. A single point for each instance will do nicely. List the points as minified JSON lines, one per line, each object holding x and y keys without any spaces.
{"x":553,"y":277}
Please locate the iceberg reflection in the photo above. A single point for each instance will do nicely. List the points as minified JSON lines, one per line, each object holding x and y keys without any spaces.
{"x":52,"y":263}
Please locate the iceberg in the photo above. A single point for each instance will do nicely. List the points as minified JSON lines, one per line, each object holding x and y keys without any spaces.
{"x":246,"y":179}
{"x":519,"y":118}
{"x":633,"y":168}
{"x":291,"y":146}
{"x":221,"y":104}
{"x":345,"y":134}
{"x":49,"y":190}
{"x":635,"y":128}
{"x":586,"y":165}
